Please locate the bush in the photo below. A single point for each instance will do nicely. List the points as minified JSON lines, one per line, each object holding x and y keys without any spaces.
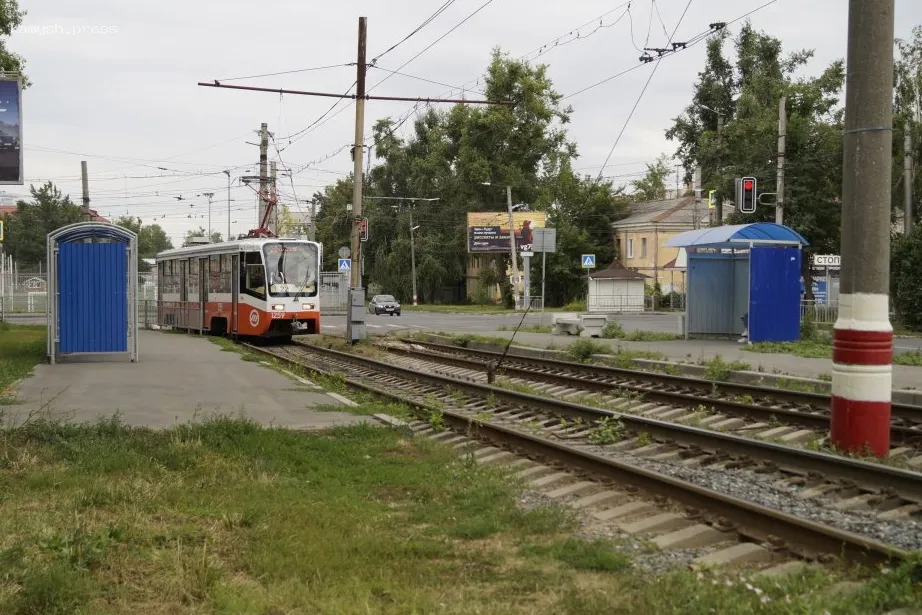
{"x":582,"y":350}
{"x":575,"y":306}
{"x":613,"y":331}
{"x":906,"y":278}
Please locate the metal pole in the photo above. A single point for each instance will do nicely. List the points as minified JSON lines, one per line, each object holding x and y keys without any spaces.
{"x":228,"y":205}
{"x":782,"y":138}
{"x":719,"y":213}
{"x":273,"y":197}
{"x":863,"y":337}
{"x":413,"y":256}
{"x":357,"y":155}
{"x":907,"y":177}
{"x":515,"y":262}
{"x":85,"y":180}
{"x":526,"y":263}
{"x":543,"y":272}
{"x":3,"y":284}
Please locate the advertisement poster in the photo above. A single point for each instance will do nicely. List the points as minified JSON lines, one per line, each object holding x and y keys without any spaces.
{"x":488,"y":231}
{"x":10,"y":131}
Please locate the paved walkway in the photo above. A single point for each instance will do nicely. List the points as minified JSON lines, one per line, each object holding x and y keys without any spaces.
{"x":695,"y":351}
{"x":177,"y":378}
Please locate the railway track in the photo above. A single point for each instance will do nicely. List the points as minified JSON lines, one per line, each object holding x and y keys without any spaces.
{"x":592,"y":454}
{"x":753,"y":407}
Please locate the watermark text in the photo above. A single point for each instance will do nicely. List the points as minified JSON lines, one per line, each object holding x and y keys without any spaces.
{"x":62,"y":30}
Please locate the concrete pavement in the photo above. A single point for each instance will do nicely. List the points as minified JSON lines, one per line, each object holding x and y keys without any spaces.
{"x":177,"y":378}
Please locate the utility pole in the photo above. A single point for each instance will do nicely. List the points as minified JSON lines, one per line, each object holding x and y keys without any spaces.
{"x":355,"y":315}
{"x":263,"y":163}
{"x":515,"y":262}
{"x":863,"y":337}
{"x":697,"y":195}
{"x":413,"y":255}
{"x":719,"y":213}
{"x":273,"y":196}
{"x":782,"y":138}
{"x":907,"y":177}
{"x":228,"y":205}
{"x":313,"y":235}
{"x":209,"y":195}
{"x":85,"y":179}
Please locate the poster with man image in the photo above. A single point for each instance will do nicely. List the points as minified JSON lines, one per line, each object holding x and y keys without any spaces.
{"x":10,"y":130}
{"x":488,"y":231}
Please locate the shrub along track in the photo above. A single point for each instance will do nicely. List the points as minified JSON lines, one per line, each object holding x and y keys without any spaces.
{"x":582,"y":441}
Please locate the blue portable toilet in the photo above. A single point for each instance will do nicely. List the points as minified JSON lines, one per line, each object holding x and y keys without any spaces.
{"x":92,"y":290}
{"x":743,"y":275}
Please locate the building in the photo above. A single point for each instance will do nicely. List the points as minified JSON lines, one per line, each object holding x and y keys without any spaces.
{"x":641,"y":237}
{"x":10,"y":209}
{"x":616,"y":290}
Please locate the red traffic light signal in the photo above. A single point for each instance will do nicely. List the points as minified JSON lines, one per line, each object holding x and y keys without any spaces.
{"x":363,"y":229}
{"x":747,"y":195}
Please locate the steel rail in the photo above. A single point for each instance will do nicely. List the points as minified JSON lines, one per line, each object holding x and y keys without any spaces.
{"x":800,"y":536}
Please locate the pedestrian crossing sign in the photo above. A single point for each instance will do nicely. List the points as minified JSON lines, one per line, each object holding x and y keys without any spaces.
{"x":345,"y":265}
{"x":588,"y":261}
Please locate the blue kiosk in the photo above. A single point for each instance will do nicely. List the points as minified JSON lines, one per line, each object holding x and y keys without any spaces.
{"x":743,"y":274}
{"x":92,"y":290}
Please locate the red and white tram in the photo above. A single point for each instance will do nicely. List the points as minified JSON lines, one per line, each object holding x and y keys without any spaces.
{"x":265,"y":287}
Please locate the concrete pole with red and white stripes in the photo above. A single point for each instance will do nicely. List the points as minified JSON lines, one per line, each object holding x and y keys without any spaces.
{"x":863,"y":338}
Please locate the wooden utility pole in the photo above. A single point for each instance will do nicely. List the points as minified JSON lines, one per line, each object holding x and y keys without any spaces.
{"x":862,"y":352}
{"x":782,"y":138}
{"x":357,"y":147}
{"x":907,"y":177}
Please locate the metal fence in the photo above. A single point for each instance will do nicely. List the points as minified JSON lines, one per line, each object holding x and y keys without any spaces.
{"x":822,"y":313}
{"x":23,"y":293}
{"x":334,"y":292}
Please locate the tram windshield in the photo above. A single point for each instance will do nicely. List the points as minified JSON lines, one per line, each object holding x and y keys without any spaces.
{"x":291,"y":269}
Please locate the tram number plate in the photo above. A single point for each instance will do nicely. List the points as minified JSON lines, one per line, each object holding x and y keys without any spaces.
{"x":278,"y":314}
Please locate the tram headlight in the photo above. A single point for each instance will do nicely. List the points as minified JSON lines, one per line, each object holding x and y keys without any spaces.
{"x":307,"y":306}
{"x":278,"y":308}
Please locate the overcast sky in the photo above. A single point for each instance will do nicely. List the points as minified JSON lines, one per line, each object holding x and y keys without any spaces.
{"x":114,"y":83}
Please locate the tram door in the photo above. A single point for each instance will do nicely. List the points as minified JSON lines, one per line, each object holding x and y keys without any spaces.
{"x":235,"y":293}
{"x":184,"y":294}
{"x":204,"y":279}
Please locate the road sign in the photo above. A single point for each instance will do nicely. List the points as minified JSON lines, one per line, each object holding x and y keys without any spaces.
{"x":545,"y":240}
{"x":345,"y":265}
{"x":345,"y":252}
{"x":712,"y":201}
{"x":363,"y":235}
{"x":588,"y":261}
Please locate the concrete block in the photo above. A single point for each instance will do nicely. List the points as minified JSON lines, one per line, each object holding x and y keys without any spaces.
{"x":798,"y":437}
{"x":667,"y":456}
{"x":603,"y":497}
{"x":656,"y":411}
{"x":494,"y":458}
{"x":855,"y":503}
{"x":775,"y":432}
{"x":728,"y":424}
{"x":533,"y":471}
{"x":489,"y":450}
{"x":625,"y":510}
{"x":738,"y":554}
{"x":690,"y":537}
{"x":915,"y":462}
{"x":672,"y":414}
{"x":902,"y":512}
{"x":549,"y":479}
{"x":662,"y":522}
{"x":572,"y":489}
{"x":710,"y":420}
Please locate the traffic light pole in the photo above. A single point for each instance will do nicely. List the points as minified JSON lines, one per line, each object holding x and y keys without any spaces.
{"x":862,"y":352}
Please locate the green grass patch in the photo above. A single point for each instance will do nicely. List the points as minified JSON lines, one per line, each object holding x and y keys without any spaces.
{"x":227,"y":516}
{"x":529,"y":328}
{"x":912,"y":358}
{"x":720,"y":370}
{"x":583,"y":349}
{"x":804,"y":348}
{"x":458,"y":309}
{"x":22,"y":347}
{"x":581,"y":555}
{"x":614,"y":331}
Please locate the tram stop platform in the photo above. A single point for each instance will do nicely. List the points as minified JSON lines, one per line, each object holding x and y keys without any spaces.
{"x":179,"y":378}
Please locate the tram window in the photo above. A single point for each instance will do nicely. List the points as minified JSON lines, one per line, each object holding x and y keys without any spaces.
{"x":253,"y":275}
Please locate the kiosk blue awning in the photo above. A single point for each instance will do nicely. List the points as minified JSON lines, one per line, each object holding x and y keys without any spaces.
{"x":739,"y":236}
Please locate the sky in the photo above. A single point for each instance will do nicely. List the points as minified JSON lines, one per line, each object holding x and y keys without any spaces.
{"x":115,"y":83}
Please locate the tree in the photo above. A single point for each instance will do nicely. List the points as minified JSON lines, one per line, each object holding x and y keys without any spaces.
{"x":747,"y":93}
{"x":201,"y":232}
{"x":905,"y":279}
{"x":10,"y":19}
{"x":27,"y":229}
{"x":152,"y":239}
{"x":907,"y":109}
{"x":652,"y":186}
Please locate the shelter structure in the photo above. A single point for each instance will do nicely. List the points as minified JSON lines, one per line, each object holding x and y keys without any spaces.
{"x":616,"y":289}
{"x":743,"y":276}
{"x":92,"y":290}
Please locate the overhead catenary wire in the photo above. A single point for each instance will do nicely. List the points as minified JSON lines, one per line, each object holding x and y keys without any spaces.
{"x":416,"y":30}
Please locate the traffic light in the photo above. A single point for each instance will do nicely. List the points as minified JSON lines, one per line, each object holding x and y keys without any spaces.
{"x":747,"y":195}
{"x":363,"y":232}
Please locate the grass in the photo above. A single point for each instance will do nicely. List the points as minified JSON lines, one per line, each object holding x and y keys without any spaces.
{"x":614,"y":331}
{"x":583,"y":349}
{"x":720,"y":370}
{"x":528,"y":328}
{"x":803,"y":348}
{"x":22,"y":347}
{"x":458,"y":309}
{"x":912,"y":358}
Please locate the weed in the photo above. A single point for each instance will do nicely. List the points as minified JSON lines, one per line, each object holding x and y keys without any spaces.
{"x":582,"y":555}
{"x":582,"y":350}
{"x":912,"y":358}
{"x":719,"y":370}
{"x":613,"y":331}
{"x":644,"y":439}
{"x":607,"y":431}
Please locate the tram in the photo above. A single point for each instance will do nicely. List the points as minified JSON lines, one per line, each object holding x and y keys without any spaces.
{"x":261,"y":287}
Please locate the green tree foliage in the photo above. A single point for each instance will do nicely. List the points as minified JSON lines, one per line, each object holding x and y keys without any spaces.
{"x":450,"y":154}
{"x":906,"y":279}
{"x":10,"y":19}
{"x":652,"y":186}
{"x":907,"y":109}
{"x":747,"y":94}
{"x":152,"y":239}
{"x":201,"y":232}
{"x":27,"y":229}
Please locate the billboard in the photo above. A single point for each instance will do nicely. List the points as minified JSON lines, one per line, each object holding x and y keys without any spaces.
{"x":10,"y":129}
{"x":488,"y":231}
